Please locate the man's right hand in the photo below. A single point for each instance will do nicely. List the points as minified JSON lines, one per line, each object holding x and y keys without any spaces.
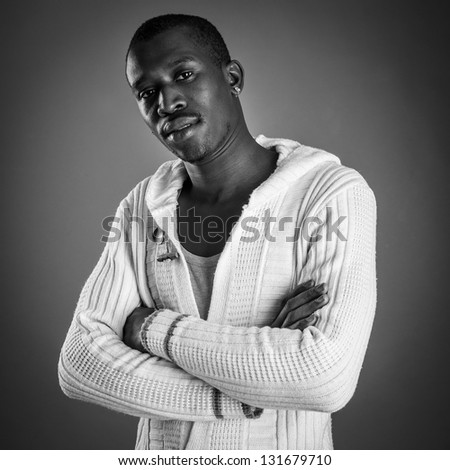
{"x":299,"y":308}
{"x":133,"y":325}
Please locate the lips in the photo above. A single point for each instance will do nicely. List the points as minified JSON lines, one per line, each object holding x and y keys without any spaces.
{"x":178,"y":124}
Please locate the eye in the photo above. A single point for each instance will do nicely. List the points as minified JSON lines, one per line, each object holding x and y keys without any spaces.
{"x":143,"y":95}
{"x":184,"y":75}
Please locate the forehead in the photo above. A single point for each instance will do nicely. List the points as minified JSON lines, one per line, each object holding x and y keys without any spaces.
{"x":163,"y":52}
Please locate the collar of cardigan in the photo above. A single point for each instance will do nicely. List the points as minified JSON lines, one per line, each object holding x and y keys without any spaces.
{"x":294,"y":161}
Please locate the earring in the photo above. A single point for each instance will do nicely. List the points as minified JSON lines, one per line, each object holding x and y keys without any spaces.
{"x":237,"y":90}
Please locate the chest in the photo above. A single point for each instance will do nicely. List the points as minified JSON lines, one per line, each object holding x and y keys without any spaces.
{"x":203,"y":229}
{"x":255,"y":271}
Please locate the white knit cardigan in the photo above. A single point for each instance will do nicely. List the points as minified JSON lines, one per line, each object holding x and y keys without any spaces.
{"x":232,"y":382}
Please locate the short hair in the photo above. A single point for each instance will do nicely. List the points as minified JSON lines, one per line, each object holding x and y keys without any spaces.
{"x":204,"y":34}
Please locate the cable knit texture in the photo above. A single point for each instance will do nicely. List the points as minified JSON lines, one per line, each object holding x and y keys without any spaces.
{"x":231,"y":381}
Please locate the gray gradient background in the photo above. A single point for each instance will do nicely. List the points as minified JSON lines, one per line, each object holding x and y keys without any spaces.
{"x":365,"y":80}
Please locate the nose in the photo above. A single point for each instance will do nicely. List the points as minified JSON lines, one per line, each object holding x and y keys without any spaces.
{"x":170,"y":100}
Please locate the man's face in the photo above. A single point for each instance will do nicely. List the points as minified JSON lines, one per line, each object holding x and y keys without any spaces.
{"x":183,"y":96}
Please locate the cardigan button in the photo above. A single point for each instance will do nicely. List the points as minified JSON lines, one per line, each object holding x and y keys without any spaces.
{"x":158,"y":236}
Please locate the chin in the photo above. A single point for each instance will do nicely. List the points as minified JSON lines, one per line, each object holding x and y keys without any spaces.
{"x":199,"y":147}
{"x":192,"y":152}
{"x":193,"y":159}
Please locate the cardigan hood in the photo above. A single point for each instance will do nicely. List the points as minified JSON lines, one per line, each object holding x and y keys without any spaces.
{"x":294,"y":161}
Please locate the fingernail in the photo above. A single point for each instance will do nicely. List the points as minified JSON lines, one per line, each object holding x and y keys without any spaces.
{"x":321,"y":288}
{"x":309,"y":283}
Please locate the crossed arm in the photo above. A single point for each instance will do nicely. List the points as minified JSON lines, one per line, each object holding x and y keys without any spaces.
{"x":265,"y":367}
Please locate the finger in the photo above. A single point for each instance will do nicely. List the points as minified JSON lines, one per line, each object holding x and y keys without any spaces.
{"x":289,"y":303}
{"x":305,"y":311}
{"x":304,"y":322}
{"x":305,"y":297}
{"x":292,"y":302}
{"x":303,"y":287}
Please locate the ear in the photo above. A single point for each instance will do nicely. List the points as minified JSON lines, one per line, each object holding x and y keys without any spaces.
{"x":235,"y":76}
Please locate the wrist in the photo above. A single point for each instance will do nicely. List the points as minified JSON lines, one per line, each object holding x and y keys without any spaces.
{"x":143,"y":331}
{"x":158,"y":330}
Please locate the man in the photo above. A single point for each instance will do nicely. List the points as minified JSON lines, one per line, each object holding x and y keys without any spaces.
{"x":243,"y":333}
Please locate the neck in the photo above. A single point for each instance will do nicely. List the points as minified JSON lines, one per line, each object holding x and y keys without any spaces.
{"x":237,"y":168}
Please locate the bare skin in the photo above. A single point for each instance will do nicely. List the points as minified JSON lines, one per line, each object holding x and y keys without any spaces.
{"x":179,"y":90}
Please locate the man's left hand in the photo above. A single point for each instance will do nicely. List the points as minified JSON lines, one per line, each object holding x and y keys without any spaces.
{"x":132,"y":327}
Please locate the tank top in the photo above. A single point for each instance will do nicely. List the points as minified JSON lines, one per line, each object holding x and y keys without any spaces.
{"x":201,"y":272}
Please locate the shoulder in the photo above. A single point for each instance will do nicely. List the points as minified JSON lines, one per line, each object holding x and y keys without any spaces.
{"x":329,"y":179}
{"x":330,"y":168}
{"x":335,"y":178}
{"x":135,"y":200}
{"x":343,"y":188}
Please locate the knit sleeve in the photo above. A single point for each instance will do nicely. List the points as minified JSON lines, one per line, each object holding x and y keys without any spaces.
{"x":96,"y":366}
{"x":316,"y":369}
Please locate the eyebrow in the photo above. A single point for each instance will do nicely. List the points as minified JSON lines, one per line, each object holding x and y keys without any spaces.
{"x":182,"y":60}
{"x":173,"y":63}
